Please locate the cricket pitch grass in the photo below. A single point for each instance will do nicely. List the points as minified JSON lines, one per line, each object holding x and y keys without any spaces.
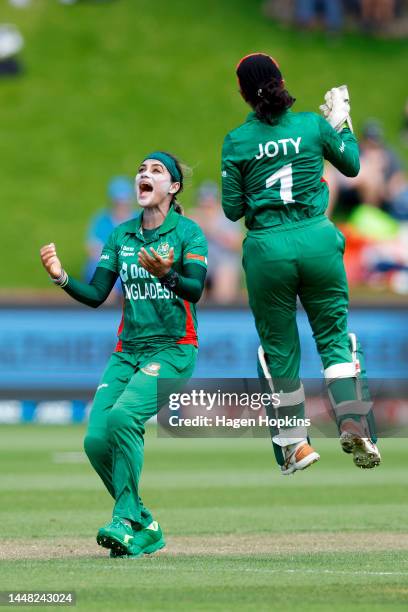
{"x":239,"y":535}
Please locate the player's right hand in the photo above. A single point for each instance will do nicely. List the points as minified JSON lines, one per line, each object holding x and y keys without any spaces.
{"x":337,"y":108}
{"x":50,"y":260}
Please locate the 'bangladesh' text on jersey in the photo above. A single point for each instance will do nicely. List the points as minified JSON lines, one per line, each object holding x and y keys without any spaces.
{"x":272,"y":173}
{"x":152,"y":314}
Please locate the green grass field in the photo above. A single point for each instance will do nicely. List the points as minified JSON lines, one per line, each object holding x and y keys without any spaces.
{"x":106,"y":83}
{"x":240,"y":536}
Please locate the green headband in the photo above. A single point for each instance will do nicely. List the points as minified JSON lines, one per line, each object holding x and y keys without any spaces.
{"x":168,"y":162}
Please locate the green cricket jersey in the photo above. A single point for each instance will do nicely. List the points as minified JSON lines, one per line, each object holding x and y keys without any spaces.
{"x":152,"y":314}
{"x":272,"y":173}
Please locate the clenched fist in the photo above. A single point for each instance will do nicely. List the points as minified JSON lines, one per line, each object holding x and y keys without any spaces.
{"x":50,"y":260}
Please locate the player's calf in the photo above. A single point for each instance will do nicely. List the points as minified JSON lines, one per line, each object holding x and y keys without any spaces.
{"x":290,"y":443}
{"x":351,"y":402}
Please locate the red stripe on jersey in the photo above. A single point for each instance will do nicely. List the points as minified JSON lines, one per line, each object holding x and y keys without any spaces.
{"x":193,"y":256}
{"x":118,"y":348}
{"x":190,"y":337}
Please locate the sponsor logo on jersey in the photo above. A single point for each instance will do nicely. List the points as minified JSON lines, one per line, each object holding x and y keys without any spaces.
{"x":151,"y":369}
{"x":103,"y":256}
{"x":342,"y":147}
{"x":126,"y":251}
{"x":224,"y":173}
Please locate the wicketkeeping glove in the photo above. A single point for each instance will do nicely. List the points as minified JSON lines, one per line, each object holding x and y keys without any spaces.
{"x":337,"y":108}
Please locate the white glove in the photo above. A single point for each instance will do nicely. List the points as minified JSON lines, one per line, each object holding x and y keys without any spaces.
{"x":337,"y":108}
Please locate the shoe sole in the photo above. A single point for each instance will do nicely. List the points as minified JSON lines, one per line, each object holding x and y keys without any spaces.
{"x":116,"y":546}
{"x":114,"y":555}
{"x":107,"y":542}
{"x":303,"y":464}
{"x":361,"y":456}
{"x":307,"y":461}
{"x":289,"y":471}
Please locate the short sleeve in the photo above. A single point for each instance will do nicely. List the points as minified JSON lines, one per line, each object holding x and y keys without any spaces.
{"x":195,"y":248}
{"x":109,"y":255}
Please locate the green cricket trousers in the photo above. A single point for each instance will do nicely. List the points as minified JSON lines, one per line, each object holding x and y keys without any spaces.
{"x":305,"y":260}
{"x":125,"y":399}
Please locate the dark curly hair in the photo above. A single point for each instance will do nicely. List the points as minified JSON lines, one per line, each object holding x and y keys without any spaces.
{"x":262,"y":86}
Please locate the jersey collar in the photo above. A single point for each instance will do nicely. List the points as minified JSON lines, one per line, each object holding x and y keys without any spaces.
{"x":170,"y":222}
{"x":252,"y":115}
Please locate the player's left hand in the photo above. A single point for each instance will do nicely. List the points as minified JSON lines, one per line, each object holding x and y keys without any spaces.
{"x":153,"y":263}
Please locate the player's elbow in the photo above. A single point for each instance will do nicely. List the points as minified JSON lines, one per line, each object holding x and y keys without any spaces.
{"x":95,"y":303}
{"x":353,"y":169}
{"x":232,"y":212}
{"x":195,"y":296}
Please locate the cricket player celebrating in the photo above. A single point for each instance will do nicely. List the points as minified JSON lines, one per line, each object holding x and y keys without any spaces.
{"x":160,"y":257}
{"x":272,"y":169}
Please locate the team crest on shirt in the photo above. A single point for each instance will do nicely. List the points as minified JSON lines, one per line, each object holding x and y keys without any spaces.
{"x":163,"y":250}
{"x":151,"y":369}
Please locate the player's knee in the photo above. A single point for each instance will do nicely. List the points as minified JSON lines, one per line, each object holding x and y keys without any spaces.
{"x":118,"y":420}
{"x":121,"y":422}
{"x":95,"y":447}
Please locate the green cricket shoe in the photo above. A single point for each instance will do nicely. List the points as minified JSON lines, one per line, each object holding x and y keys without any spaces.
{"x":146,"y":541}
{"x":116,"y":535}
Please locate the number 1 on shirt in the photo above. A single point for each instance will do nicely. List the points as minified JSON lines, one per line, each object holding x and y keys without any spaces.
{"x":284,"y":175}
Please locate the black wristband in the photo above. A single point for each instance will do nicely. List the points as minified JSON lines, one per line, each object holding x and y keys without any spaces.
{"x":170,"y":280}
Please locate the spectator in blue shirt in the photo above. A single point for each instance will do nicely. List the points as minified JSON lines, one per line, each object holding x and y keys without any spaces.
{"x":121,"y":200}
{"x":307,"y":13}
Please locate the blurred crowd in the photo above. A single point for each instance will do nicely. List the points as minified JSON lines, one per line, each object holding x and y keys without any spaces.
{"x":11,"y":43}
{"x":384,"y":17}
{"x":372,"y":211}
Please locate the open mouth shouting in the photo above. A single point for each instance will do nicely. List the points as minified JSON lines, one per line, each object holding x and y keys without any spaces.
{"x":145,"y":188}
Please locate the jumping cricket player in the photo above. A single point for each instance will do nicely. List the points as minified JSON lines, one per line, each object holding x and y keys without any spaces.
{"x":272,"y":169}
{"x":160,"y":257}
